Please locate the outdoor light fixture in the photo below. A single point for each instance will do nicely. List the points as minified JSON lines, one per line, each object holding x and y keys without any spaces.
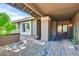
{"x":70,"y":25}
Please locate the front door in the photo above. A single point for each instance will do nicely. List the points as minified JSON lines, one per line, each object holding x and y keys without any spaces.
{"x":62,"y":31}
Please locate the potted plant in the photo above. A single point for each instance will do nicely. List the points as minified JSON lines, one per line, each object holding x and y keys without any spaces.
{"x":6,"y":27}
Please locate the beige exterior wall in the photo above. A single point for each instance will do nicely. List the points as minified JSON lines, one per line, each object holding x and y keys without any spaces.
{"x":53,"y":28}
{"x":64,"y":22}
{"x":34,"y":27}
{"x":76,"y":22}
{"x":45,"y":28}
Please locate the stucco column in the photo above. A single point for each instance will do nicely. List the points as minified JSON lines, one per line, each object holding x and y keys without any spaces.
{"x":45,"y":28}
{"x":34,"y":27}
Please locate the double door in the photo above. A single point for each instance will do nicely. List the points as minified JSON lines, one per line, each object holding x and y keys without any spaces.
{"x":62,"y":31}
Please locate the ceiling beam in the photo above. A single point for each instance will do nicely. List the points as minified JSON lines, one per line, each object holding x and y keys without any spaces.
{"x":26,"y":8}
{"x":33,"y":9}
{"x":13,"y":4}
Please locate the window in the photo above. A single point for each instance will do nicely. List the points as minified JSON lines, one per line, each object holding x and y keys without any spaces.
{"x":26,"y":27}
{"x":59,"y":29}
{"x":23,"y":27}
{"x":64,"y":28}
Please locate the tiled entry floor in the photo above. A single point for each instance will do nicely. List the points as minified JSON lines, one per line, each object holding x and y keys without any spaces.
{"x":62,"y":48}
{"x":50,"y":48}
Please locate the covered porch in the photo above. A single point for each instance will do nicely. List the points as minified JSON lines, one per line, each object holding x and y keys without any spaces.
{"x":50,"y":22}
{"x":56,"y":21}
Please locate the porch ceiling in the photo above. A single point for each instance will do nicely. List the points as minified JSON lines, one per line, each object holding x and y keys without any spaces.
{"x":57,"y":10}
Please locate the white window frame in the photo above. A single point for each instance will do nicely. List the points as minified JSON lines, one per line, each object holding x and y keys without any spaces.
{"x":21,"y":28}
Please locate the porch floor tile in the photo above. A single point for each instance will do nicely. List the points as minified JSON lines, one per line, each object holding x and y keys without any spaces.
{"x":50,"y":48}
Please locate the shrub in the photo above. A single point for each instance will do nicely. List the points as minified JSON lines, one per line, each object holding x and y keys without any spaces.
{"x":75,"y":42}
{"x":6,"y":26}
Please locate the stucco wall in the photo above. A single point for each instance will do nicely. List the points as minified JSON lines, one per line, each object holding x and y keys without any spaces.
{"x":76,"y":22}
{"x":63,"y":22}
{"x":53,"y":28}
{"x":34,"y":27}
{"x":45,"y":28}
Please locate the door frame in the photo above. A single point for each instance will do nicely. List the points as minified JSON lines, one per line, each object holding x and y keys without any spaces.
{"x":62,"y":29}
{"x":21,"y":28}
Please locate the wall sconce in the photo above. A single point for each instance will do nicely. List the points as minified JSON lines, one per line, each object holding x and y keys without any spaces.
{"x":70,"y":25}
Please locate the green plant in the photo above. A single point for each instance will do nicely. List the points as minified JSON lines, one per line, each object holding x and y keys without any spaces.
{"x":74,"y":39}
{"x":75,"y":42}
{"x":6,"y":26}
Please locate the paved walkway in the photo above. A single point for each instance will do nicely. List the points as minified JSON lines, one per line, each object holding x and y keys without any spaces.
{"x":50,"y":48}
{"x":62,"y":48}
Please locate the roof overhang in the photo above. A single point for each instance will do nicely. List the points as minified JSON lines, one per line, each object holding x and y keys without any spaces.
{"x":57,"y":11}
{"x":28,"y":8}
{"x":24,"y":19}
{"x":54,"y":10}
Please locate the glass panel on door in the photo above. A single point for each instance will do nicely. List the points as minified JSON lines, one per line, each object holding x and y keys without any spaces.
{"x":59,"y":28}
{"x":64,"y":28}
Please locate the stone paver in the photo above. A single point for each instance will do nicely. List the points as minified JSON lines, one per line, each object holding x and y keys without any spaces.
{"x":63,"y":48}
{"x":50,"y":48}
{"x":57,"y":49}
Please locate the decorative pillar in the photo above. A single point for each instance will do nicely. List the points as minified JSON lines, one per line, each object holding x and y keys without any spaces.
{"x":45,"y":28}
{"x":34,"y":27}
